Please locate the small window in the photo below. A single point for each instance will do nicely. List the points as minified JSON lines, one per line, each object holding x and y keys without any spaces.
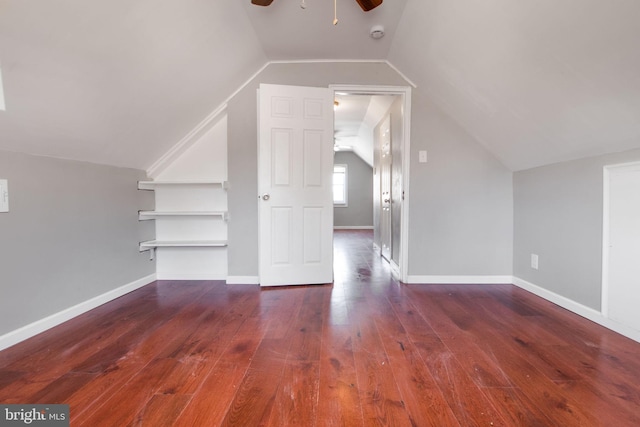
{"x":340,"y":185}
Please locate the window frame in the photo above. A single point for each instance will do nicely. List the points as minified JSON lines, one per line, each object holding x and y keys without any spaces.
{"x":345,"y":185}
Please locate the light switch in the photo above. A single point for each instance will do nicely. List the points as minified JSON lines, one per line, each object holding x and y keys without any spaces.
{"x":422,"y":156}
{"x":4,"y":195}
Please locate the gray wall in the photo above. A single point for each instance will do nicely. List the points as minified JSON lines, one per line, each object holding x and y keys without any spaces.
{"x":242,"y":196}
{"x":461,"y":209}
{"x":558,"y":216}
{"x":359,"y":209}
{"x":71,"y":234}
{"x":461,"y":201}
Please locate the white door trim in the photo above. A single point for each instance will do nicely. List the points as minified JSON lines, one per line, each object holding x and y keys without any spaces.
{"x":606,"y":215}
{"x":405,"y":93}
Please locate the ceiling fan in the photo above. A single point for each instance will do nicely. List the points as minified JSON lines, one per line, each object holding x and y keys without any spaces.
{"x":366,"y":5}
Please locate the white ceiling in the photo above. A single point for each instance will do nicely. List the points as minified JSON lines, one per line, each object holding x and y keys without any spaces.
{"x":288,"y":32}
{"x":121,"y":82}
{"x":118,"y":82}
{"x":535,"y":81}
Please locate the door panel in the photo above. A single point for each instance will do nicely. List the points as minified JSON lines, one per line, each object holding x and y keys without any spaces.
{"x":295,"y":171}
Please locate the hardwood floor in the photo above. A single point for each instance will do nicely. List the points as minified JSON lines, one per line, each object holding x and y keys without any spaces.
{"x":363,"y":351}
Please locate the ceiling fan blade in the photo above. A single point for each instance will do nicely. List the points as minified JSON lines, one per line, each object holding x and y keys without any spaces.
{"x":262,"y":2}
{"x":368,"y":5}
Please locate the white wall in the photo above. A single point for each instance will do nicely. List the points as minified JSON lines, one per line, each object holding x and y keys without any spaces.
{"x":205,"y":160}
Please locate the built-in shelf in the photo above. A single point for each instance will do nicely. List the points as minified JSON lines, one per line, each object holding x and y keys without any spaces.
{"x":152,"y":244}
{"x":182,"y":213}
{"x":144,"y":215}
{"x":152,"y":185}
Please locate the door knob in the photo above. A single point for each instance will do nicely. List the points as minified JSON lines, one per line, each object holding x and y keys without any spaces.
{"x":266,"y":196}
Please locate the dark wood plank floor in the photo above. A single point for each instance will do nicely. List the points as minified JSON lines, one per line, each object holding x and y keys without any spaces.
{"x":363,"y":351}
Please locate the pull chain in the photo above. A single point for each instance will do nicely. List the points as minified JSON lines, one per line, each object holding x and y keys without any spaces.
{"x":335,"y":12}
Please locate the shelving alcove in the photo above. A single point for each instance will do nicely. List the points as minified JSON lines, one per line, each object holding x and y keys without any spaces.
{"x":188,"y":214}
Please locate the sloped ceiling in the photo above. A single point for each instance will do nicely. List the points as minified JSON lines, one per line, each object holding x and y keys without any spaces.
{"x":121,"y":82}
{"x":118,"y":82}
{"x":535,"y":81}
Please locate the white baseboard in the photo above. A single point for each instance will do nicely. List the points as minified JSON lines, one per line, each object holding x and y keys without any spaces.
{"x":353,"y":227}
{"x":32,"y":329}
{"x":243,"y":280}
{"x":191,"y":276}
{"x":462,"y":280}
{"x":579,"y":309}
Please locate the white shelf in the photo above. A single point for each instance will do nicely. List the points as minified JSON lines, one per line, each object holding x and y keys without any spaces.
{"x":151,"y":185}
{"x":143,"y":215}
{"x":152,"y":244}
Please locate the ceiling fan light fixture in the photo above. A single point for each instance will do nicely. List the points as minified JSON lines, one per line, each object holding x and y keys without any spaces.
{"x":377,"y":32}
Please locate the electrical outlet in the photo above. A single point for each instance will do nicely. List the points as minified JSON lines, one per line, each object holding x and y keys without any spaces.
{"x":534,"y":261}
{"x":4,"y":195}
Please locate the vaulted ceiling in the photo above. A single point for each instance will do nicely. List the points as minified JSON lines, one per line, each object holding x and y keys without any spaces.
{"x":121,"y":82}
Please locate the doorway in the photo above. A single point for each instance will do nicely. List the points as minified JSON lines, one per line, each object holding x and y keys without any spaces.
{"x":388,"y":125}
{"x":293,"y":238}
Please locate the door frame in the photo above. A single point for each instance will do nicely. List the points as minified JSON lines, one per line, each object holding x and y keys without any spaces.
{"x":606,"y":226}
{"x":405,"y":93}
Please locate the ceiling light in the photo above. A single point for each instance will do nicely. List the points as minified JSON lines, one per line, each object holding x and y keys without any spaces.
{"x":377,"y":32}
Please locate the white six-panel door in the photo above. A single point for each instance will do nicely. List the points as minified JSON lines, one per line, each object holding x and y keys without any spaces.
{"x":295,"y":162}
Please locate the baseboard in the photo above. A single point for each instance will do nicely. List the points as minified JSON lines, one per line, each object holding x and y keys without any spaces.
{"x":32,"y":329}
{"x":577,"y":308}
{"x":353,"y":227}
{"x":191,"y":276}
{"x":461,"y":280}
{"x":243,"y":280}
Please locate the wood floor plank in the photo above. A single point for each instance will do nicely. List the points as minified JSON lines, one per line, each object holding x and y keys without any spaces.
{"x":380,"y":398}
{"x":122,"y":407}
{"x":339,"y":396}
{"x":421,"y":395}
{"x":210,"y":403}
{"x":255,"y":398}
{"x":516,"y":411}
{"x":468,"y":403}
{"x":161,"y":410}
{"x":296,"y":399}
{"x":365,"y":350}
